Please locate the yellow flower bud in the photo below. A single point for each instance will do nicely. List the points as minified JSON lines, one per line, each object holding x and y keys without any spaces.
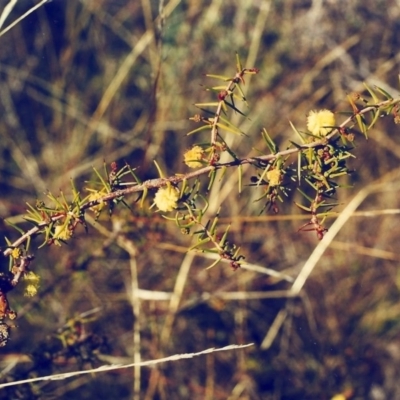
{"x":320,"y":123}
{"x":193,"y":156}
{"x":31,"y":291}
{"x":16,"y":253}
{"x":62,"y":232}
{"x":339,"y":397}
{"x":33,"y":283}
{"x":274,"y":177}
{"x":166,"y":198}
{"x":95,"y":195}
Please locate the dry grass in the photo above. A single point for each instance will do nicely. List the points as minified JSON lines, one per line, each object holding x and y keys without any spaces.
{"x":94,"y":80}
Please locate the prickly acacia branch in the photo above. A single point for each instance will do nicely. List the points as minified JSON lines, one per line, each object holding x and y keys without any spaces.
{"x":178,"y":178}
{"x":321,"y":160}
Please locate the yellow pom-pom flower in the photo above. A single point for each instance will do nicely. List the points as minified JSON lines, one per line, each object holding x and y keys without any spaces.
{"x":16,"y":253}
{"x":166,"y":198}
{"x":33,"y":283}
{"x":274,"y":177}
{"x":31,"y":291}
{"x":339,"y":397}
{"x":320,"y":123}
{"x":95,"y":195}
{"x":193,"y":156}
{"x":62,"y":232}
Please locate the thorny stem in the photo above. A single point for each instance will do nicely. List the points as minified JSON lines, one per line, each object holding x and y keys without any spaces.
{"x":314,"y":224}
{"x":238,"y":78}
{"x":211,"y":237}
{"x":175,"y":179}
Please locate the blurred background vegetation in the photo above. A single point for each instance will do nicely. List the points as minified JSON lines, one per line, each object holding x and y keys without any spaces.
{"x":89,"y":82}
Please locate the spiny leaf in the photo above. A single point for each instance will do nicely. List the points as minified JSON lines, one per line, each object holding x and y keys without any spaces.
{"x":216,"y":88}
{"x":32,"y":210}
{"x":299,"y":157}
{"x":298,"y":146}
{"x":223,"y":172}
{"x":224,"y":107}
{"x":132,"y":172}
{"x":372,"y":93}
{"x":214,"y":225}
{"x":361,"y":124}
{"x":31,"y":220}
{"x":229,"y":123}
{"x":143,"y":197}
{"x":297,"y":133}
{"x":305,"y":195}
{"x":200,"y":243}
{"x":377,"y":114}
{"x":201,"y":128}
{"x":232,"y":105}
{"x":224,"y":236}
{"x":386,"y":94}
{"x":238,"y":63}
{"x":214,"y":263}
{"x":353,"y":104}
{"x":229,"y":129}
{"x":212,"y":176}
{"x":210,"y":104}
{"x":240,"y":181}
{"x":104,"y":183}
{"x":270,"y":143}
{"x":222,"y":77}
{"x":242,"y":94}
{"x":262,"y":176}
{"x":302,"y":207}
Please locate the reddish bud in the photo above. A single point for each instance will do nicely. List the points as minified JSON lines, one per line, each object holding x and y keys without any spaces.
{"x":222,"y":94}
